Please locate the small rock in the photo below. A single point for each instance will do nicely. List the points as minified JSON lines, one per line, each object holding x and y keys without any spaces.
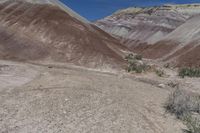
{"x":140,"y":62}
{"x":50,"y":67}
{"x":66,"y":99}
{"x":161,"y":85}
{"x":64,"y":112}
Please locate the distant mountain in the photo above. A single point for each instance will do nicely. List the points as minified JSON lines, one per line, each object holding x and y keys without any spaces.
{"x":138,"y":27}
{"x":47,"y":30}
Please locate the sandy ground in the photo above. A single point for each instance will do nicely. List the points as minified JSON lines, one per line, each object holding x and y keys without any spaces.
{"x":38,"y":99}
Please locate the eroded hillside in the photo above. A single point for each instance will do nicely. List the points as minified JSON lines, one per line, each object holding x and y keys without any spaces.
{"x":142,"y":26}
{"x":47,"y":31}
{"x":181,"y":47}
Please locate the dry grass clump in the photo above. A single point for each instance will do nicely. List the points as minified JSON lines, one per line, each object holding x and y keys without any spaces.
{"x":185,"y":106}
{"x":182,"y":103}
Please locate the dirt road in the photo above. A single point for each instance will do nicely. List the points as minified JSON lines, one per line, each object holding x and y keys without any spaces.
{"x":38,"y":99}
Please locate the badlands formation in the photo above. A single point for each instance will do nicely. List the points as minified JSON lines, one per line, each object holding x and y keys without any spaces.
{"x":168,"y":32}
{"x":47,"y":31}
{"x":59,"y":73}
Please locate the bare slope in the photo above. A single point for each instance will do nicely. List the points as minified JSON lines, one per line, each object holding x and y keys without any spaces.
{"x":136,"y":26}
{"x":48,"y":31}
{"x":183,"y":45}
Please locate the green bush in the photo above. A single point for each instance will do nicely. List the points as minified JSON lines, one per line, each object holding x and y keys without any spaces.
{"x":193,"y":124}
{"x":190,"y":72}
{"x":134,"y":65}
{"x":138,"y":68}
{"x":129,"y":57}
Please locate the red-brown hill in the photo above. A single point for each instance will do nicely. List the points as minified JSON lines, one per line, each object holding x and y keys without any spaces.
{"x":44,"y":31}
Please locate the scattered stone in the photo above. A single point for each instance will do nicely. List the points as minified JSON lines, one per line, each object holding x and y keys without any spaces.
{"x":50,"y":67}
{"x":161,"y":85}
{"x":64,"y":112}
{"x":66,"y":99}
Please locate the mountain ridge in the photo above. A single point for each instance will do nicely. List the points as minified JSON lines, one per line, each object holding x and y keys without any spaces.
{"x":146,"y":25}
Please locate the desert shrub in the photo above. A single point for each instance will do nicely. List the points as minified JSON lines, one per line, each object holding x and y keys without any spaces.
{"x":160,"y":73}
{"x":172,"y":84}
{"x":193,"y":124}
{"x":135,"y":64}
{"x":182,"y":103}
{"x":138,"y":57}
{"x":186,"y":107}
{"x":190,"y":72}
{"x":129,"y":57}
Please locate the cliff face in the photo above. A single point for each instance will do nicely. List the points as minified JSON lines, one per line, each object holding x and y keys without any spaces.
{"x":47,"y":30}
{"x":142,"y":26}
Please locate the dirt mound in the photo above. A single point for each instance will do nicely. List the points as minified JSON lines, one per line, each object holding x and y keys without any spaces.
{"x":36,"y":32}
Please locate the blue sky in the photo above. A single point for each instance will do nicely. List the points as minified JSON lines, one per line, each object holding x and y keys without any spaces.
{"x":97,"y":9}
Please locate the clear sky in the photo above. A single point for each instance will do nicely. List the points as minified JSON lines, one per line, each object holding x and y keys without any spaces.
{"x":97,"y":9}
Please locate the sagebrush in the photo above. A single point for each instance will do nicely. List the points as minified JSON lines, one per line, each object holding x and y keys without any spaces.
{"x":193,"y":124}
{"x":181,"y":103}
{"x":190,"y":72}
{"x":135,"y":64}
{"x":184,"y":105}
{"x":138,"y":57}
